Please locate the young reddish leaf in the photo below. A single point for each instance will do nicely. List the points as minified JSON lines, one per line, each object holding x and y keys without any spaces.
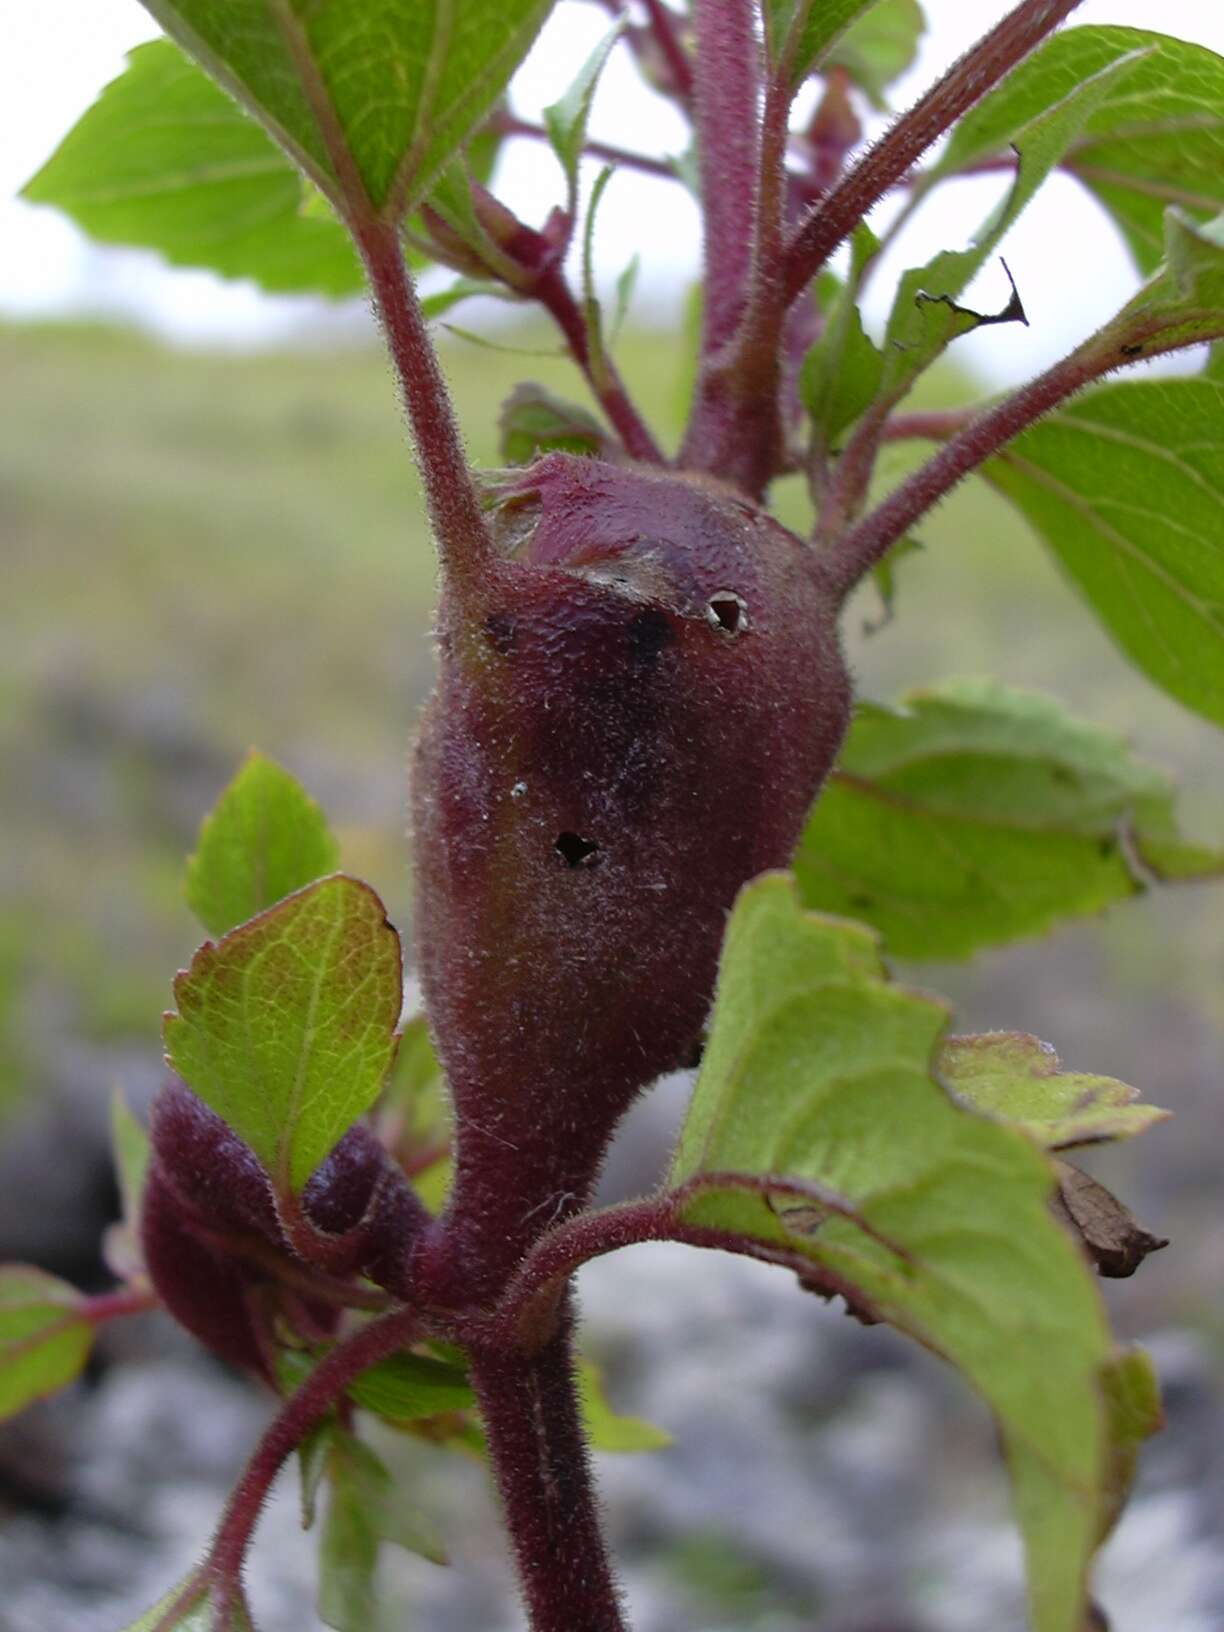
{"x":818,"y":1075}
{"x":975,"y":814}
{"x":1156,"y":138}
{"x":265,"y":838}
{"x":45,"y":1336}
{"x":166,"y":160}
{"x":1013,"y":1075}
{"x":286,"y":1026}
{"x":1125,"y":486}
{"x":369,"y":97}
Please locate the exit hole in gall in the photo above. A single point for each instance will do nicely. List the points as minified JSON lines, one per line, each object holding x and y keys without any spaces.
{"x":728,"y":612}
{"x":576,"y":851}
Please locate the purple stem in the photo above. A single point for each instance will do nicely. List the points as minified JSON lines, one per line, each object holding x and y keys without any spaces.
{"x":885,"y":165}
{"x":300,"y":1414}
{"x":1128,"y":339}
{"x":727,"y":115}
{"x":537,"y":1446}
{"x":464,"y":545}
{"x":663,"y":25}
{"x":509,"y":125}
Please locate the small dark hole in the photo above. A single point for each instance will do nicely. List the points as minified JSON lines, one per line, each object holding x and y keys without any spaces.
{"x":576,"y":851}
{"x":727,"y":612}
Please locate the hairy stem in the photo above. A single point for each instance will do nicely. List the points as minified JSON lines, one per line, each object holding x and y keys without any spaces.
{"x":555,"y":295}
{"x":736,"y":426}
{"x":538,"y":1450}
{"x":727,"y":115}
{"x":509,"y":125}
{"x":663,"y":25}
{"x":884,"y":165}
{"x":854,"y":554}
{"x":464,"y":545}
{"x":301,"y":1413}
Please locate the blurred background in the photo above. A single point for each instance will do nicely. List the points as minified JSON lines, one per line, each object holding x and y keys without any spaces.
{"x":211,"y":537}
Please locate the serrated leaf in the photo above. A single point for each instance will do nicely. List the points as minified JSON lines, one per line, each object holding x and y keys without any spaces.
{"x":841,"y":373}
{"x":1156,"y":138}
{"x":976,"y":814}
{"x":286,"y":1026}
{"x":1015,"y":1075}
{"x":817,"y":1074}
{"x":364,"y":1509}
{"x":191,"y":1607}
{"x":1125,"y":486}
{"x":370,"y":97}
{"x":45,"y":1336}
{"x":165,"y":160}
{"x":566,"y":119}
{"x":606,"y":1428}
{"x":264,"y":838}
{"x":879,"y":46}
{"x":533,"y":420}
{"x":925,"y":316}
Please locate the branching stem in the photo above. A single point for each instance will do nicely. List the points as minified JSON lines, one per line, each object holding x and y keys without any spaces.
{"x":299,"y":1416}
{"x":890,"y":160}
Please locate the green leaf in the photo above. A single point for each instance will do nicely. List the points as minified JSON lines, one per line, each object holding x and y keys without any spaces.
{"x":798,"y":33}
{"x":191,"y":1607}
{"x":606,"y":1429}
{"x":364,"y":1510}
{"x":1014,"y":1075}
{"x":534,"y":421}
{"x":1183,"y":302}
{"x":879,"y":46}
{"x":130,"y":1148}
{"x":1156,"y":138}
{"x":566,"y":119}
{"x":463,"y":289}
{"x":370,"y":97}
{"x":265,"y":838}
{"x":45,"y":1336}
{"x":1133,"y":1413}
{"x":286,"y":1026}
{"x":975,"y":814}
{"x":817,"y":1083}
{"x":841,"y":374}
{"x":925,"y":317}
{"x":416,"y":1114}
{"x":1125,"y":485}
{"x":165,"y":160}
{"x":407,"y":1387}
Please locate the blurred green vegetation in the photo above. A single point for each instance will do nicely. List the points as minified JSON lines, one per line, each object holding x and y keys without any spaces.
{"x":208,"y":550}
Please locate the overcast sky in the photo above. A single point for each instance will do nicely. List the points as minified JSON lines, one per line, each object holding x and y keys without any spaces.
{"x":1068,"y":262}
